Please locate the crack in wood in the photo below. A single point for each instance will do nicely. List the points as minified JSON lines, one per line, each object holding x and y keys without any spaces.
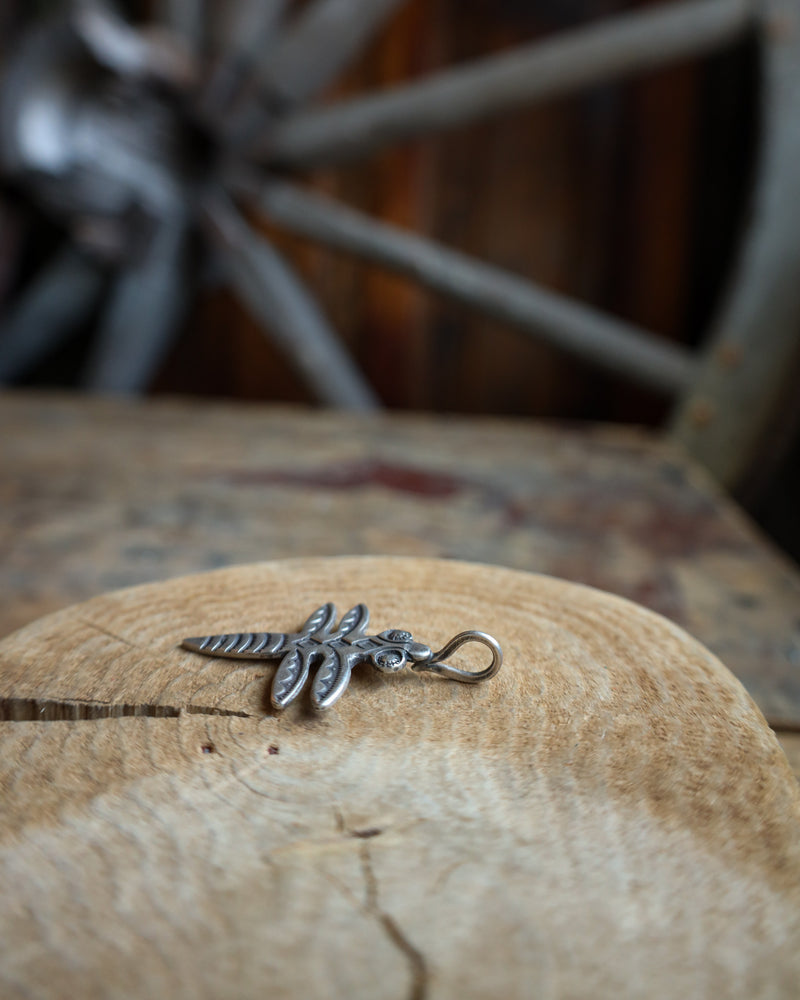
{"x":109,"y":634}
{"x":78,"y":710}
{"x":416,"y":960}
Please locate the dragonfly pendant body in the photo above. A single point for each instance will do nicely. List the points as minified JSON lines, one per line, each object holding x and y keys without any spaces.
{"x":334,"y":651}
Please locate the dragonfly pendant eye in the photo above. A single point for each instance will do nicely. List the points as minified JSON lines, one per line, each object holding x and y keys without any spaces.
{"x":389,"y":661}
{"x":333,"y":650}
{"x":395,"y":635}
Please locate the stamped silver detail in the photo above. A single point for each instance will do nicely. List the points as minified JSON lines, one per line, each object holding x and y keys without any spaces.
{"x":333,"y":652}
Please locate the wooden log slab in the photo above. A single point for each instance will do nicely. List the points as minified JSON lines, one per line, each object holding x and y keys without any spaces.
{"x":610,"y":816}
{"x":98,"y":494}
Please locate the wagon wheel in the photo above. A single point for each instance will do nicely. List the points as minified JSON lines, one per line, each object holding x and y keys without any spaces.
{"x":125,"y":107}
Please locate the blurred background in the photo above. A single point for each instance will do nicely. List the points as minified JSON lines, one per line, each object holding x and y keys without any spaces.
{"x":630,"y":196}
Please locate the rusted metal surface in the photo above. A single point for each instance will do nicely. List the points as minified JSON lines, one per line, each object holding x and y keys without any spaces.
{"x":100,"y":494}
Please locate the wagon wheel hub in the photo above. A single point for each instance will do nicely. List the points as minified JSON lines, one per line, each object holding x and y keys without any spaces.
{"x":109,"y":146}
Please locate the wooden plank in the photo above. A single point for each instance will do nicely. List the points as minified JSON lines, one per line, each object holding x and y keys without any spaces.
{"x":529,"y":192}
{"x":609,"y":814}
{"x":101,"y":494}
{"x":392,"y":324}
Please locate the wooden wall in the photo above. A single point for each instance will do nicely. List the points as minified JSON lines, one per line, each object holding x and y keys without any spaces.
{"x":626,"y":196}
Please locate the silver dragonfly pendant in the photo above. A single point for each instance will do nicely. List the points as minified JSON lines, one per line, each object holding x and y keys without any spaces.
{"x":333,"y":650}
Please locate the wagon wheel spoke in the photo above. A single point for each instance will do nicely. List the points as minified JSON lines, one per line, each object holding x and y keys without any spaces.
{"x":146,"y":305}
{"x":596,"y":53}
{"x":60,"y":299}
{"x":320,"y":43}
{"x":185,"y":19}
{"x":244,"y":33}
{"x":579,"y":329}
{"x":279,"y":300}
{"x":10,"y":248}
{"x":129,"y":52}
{"x":311,"y":53}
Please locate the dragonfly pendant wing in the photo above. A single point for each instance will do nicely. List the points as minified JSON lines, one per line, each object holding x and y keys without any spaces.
{"x":290,"y":677}
{"x":320,"y":622}
{"x":331,"y":679}
{"x":240,"y":645}
{"x":354,"y":623}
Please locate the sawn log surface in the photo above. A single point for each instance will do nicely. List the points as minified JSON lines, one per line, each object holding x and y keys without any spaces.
{"x":610,"y":816}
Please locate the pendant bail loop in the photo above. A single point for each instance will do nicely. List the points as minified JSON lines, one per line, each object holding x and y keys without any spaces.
{"x":436,"y":665}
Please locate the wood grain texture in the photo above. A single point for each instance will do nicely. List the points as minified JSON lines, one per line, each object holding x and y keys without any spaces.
{"x":790,"y":743}
{"x":103,"y":494}
{"x":610,"y":816}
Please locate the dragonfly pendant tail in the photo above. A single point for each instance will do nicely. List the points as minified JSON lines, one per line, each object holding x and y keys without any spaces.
{"x":332,"y":651}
